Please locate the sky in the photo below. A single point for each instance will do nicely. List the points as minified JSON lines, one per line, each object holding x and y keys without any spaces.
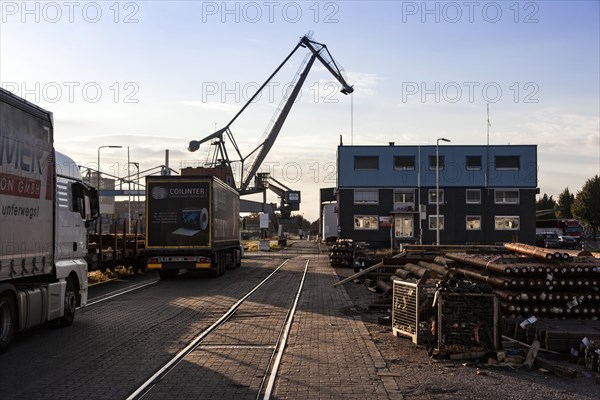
{"x":152,"y":76}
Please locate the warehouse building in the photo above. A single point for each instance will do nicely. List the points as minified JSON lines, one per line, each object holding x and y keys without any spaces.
{"x":388,"y":195}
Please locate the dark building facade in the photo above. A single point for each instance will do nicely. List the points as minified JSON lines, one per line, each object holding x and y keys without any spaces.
{"x":387,"y":194}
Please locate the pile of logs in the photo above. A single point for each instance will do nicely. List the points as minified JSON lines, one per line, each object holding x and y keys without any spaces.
{"x":344,"y":252}
{"x":412,"y":270}
{"x":538,"y":282}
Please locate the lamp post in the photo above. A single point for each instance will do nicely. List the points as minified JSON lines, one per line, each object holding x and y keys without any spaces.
{"x":437,"y":189}
{"x":137,"y":166}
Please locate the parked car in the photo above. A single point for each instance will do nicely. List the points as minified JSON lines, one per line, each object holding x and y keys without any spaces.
{"x":567,"y":242}
{"x":547,"y":239}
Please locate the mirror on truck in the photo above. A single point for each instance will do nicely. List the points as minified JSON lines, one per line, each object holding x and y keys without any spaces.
{"x":85,"y":201}
{"x":92,"y":205}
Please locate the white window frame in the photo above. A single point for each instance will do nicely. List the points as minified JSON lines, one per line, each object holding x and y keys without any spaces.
{"x":432,"y":191}
{"x":507,"y":228}
{"x":431,"y":224}
{"x":473,"y":191}
{"x":374,"y":201}
{"x":472,"y":217}
{"x":404,"y":191}
{"x":403,"y":204}
{"x":503,"y":200}
{"x":398,"y":223}
{"x":373,"y":224}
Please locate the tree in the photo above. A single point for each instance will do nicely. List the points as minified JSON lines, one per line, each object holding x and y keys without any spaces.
{"x":314,"y":227}
{"x":565,"y":201}
{"x":545,"y":203}
{"x":586,"y":205}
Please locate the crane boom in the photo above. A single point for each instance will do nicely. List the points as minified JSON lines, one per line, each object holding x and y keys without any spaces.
{"x":270,"y":140}
{"x":319,"y":52}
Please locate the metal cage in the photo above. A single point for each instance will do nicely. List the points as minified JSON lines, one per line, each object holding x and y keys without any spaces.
{"x":467,"y":322}
{"x":412,"y":311}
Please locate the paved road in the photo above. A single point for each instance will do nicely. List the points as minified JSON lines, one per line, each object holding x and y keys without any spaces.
{"x":116,"y":345}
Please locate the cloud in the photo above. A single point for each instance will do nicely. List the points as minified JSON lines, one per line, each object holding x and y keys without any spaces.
{"x":212,"y":105}
{"x":364,"y":83}
{"x":552,"y":128}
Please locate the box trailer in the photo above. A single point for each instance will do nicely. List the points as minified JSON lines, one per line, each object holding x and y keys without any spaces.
{"x":192,"y":223}
{"x":44,"y":209}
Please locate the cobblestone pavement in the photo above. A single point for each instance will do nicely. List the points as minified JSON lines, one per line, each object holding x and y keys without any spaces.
{"x":329,"y":354}
{"x":116,"y":345}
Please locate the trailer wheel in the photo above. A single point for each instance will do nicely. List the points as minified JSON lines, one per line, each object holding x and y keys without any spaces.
{"x":237,"y":254}
{"x":219,"y":268}
{"x":8,"y":320}
{"x":223,"y":262}
{"x":70,"y":304}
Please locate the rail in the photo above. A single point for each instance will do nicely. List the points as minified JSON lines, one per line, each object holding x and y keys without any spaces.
{"x":272,"y":367}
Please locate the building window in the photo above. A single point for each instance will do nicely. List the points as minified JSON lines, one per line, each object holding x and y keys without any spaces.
{"x":510,"y":196}
{"x":433,"y":196}
{"x":503,"y":223}
{"x":508,"y":162}
{"x":366,"y":196}
{"x":404,"y":226}
{"x":432,"y":162}
{"x":473,"y":222}
{"x":432,"y":222}
{"x":404,"y":200}
{"x":365,"y":222}
{"x":405,"y":163}
{"x":473,"y":162}
{"x":366,"y":163}
{"x":473,"y":196}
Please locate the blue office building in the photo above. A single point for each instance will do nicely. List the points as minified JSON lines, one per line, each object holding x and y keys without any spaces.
{"x":388,"y":194}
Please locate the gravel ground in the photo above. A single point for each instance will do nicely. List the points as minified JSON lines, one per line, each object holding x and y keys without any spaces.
{"x":420,"y":377}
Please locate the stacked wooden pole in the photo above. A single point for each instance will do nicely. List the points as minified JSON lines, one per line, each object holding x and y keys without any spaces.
{"x":545,"y":284}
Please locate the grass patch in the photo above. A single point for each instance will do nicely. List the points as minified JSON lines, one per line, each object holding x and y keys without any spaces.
{"x":108,"y":274}
{"x":252,"y":245}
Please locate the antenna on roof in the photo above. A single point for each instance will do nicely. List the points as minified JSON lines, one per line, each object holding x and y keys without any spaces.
{"x":487,"y":161}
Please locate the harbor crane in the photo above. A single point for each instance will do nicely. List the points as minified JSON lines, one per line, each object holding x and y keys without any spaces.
{"x":220,"y":158}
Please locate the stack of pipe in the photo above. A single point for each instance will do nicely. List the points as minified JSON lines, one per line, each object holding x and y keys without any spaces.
{"x":423,"y":271}
{"x":538,"y":281}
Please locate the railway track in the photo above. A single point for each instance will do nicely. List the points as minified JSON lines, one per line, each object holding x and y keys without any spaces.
{"x":253,"y":333}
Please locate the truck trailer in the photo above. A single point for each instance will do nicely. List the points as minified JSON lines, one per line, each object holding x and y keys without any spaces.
{"x":192,"y":223}
{"x":44,"y":210}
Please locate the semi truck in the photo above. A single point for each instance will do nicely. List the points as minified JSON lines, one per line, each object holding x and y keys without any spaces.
{"x":192,"y":223}
{"x":44,"y":209}
{"x":562,"y":227}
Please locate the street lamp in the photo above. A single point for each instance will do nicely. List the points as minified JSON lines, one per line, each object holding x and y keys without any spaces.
{"x":137,"y":166}
{"x":437,"y":189}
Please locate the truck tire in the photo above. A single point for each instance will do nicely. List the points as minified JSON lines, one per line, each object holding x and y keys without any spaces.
{"x":237,"y":254}
{"x":70,"y":304}
{"x":8,"y":320}
{"x":219,"y":267}
{"x":223,"y":262}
